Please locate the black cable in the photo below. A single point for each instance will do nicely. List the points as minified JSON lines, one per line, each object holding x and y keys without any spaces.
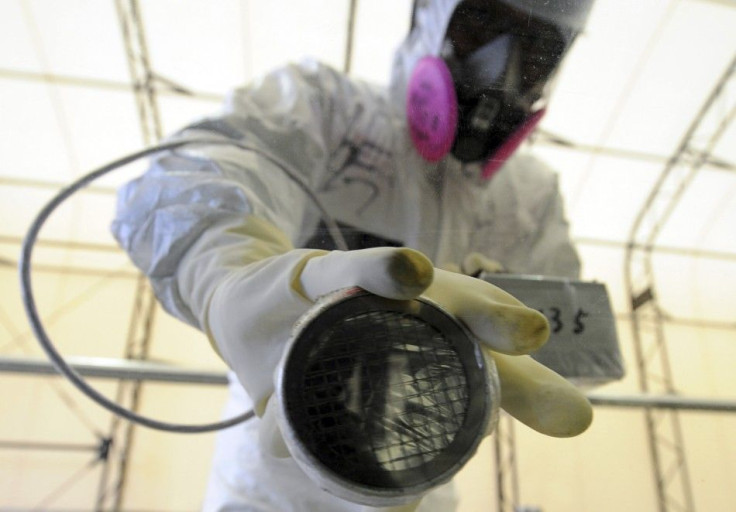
{"x":30,"y":305}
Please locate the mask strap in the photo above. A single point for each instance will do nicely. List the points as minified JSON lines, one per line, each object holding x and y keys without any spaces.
{"x":494,"y":163}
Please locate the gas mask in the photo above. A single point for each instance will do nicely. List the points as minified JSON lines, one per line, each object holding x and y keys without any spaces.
{"x":485,"y":93}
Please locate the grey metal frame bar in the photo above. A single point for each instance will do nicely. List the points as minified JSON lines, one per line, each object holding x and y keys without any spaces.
{"x":666,"y":442}
{"x":125,"y":369}
{"x":118,"y":369}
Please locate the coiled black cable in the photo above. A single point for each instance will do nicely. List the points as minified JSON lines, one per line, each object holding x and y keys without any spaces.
{"x":30,"y":304}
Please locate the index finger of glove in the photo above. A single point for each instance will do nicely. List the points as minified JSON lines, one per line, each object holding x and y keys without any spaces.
{"x":394,"y":273}
{"x":495,"y":317}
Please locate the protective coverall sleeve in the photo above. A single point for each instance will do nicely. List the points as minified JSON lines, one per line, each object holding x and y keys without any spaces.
{"x":201,"y":191}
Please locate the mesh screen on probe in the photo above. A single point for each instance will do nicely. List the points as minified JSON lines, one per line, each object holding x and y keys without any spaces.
{"x":388,"y":398}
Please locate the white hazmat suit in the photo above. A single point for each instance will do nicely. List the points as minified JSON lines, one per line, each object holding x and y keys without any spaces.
{"x":349,"y":142}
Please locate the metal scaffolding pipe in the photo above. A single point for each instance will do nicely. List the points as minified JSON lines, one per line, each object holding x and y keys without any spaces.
{"x":123,"y":369}
{"x":664,"y":402}
{"x":48,"y":446}
{"x":111,"y":368}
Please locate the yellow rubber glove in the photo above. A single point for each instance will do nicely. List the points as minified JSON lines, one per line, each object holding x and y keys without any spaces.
{"x":253,"y":286}
{"x":507,"y":329}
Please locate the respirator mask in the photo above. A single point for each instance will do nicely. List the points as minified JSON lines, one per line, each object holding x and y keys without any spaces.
{"x":489,"y":87}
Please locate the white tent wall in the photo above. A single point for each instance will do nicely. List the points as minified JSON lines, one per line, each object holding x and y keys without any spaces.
{"x":632,"y":86}
{"x":89,"y":316}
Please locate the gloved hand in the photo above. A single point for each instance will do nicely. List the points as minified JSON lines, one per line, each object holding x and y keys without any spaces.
{"x":508,"y":330}
{"x":254,"y":296}
{"x":252,"y":291}
{"x":476,"y":263}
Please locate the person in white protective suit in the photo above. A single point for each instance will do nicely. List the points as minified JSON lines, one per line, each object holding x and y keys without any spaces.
{"x":235,"y":248}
